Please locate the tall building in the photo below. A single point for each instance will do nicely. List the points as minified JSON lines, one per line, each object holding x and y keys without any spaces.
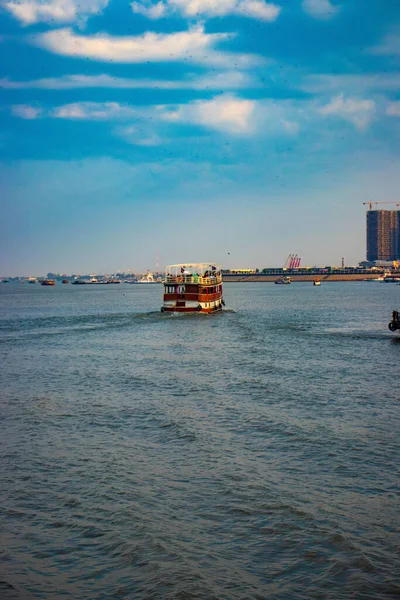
{"x":383,"y":235}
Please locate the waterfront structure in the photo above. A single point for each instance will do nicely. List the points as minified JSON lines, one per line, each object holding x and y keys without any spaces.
{"x":194,"y":287}
{"x":383,"y":235}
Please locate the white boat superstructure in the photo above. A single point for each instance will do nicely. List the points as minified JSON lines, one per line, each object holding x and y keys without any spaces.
{"x":148,"y":278}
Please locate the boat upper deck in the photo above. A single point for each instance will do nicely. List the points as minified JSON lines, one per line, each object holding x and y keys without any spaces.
{"x":193,"y":273}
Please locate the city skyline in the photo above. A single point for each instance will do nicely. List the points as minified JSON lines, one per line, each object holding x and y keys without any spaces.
{"x":234,"y":131}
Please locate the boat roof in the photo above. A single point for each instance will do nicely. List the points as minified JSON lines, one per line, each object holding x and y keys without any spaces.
{"x":208,"y":266}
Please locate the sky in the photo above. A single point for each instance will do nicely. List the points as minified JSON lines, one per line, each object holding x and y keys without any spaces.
{"x":190,"y":129}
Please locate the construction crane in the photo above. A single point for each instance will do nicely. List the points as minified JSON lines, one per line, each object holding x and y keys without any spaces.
{"x":371,"y":203}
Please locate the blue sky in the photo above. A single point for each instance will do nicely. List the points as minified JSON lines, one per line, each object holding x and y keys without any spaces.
{"x":194,"y":128}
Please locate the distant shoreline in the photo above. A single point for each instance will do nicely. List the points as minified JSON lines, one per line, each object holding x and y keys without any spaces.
{"x":297,"y":278}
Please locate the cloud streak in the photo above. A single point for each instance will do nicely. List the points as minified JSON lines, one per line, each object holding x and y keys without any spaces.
{"x":227,"y":80}
{"x":193,"y":45}
{"x":390,"y":45}
{"x":324,"y":83}
{"x":393,"y":109}
{"x":226,"y":113}
{"x":24,"y":111}
{"x":54,"y":11}
{"x":320,"y":9}
{"x":255,"y":9}
{"x":359,"y":112}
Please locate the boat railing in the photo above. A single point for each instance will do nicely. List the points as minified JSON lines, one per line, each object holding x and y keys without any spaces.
{"x":171,"y":279}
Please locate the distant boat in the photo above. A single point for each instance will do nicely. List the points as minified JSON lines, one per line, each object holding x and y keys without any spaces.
{"x":65,"y":281}
{"x":317,"y":281}
{"x":48,"y":282}
{"x":282,"y":280}
{"x":33,"y":280}
{"x":79,"y":282}
{"x":148,"y":278}
{"x":391,"y":279}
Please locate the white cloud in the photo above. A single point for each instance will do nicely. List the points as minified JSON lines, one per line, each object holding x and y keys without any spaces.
{"x":357,"y":111}
{"x":151,"y":11}
{"x":93,"y":111}
{"x":354,"y":83}
{"x":224,"y":113}
{"x":226,"y":80}
{"x":320,"y":9}
{"x":25,"y":111}
{"x":193,"y":45}
{"x":393,"y":109}
{"x":390,"y":45}
{"x":139,"y":136}
{"x":291,"y":127}
{"x":256,"y":9}
{"x":58,"y":11}
{"x":143,"y":125}
{"x":212,"y":8}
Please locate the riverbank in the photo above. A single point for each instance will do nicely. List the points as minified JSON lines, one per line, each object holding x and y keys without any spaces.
{"x":301,"y":277}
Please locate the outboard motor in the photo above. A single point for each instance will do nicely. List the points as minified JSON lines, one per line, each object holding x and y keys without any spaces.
{"x":395,"y":322}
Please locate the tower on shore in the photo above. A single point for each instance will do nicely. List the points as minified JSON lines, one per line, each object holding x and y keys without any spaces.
{"x":383,"y":235}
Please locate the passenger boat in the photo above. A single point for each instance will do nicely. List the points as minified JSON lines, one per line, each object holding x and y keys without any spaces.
{"x":48,"y":282}
{"x":282,"y":280}
{"x":317,"y":281}
{"x":194,"y":287}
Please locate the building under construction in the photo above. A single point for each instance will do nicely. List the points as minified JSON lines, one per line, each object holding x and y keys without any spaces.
{"x":383,"y":235}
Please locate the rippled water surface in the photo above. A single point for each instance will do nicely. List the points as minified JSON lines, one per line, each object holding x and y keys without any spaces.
{"x":252,"y":454}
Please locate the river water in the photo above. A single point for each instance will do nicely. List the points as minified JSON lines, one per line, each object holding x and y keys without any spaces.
{"x":251,"y":454}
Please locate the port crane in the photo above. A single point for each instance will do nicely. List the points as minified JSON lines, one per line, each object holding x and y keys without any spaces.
{"x":371,"y":203}
{"x":292,"y":262}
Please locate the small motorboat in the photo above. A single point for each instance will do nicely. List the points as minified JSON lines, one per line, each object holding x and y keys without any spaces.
{"x":282,"y":280}
{"x":317,"y":281}
{"x":395,"y":322}
{"x":65,"y":281}
{"x":48,"y":282}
